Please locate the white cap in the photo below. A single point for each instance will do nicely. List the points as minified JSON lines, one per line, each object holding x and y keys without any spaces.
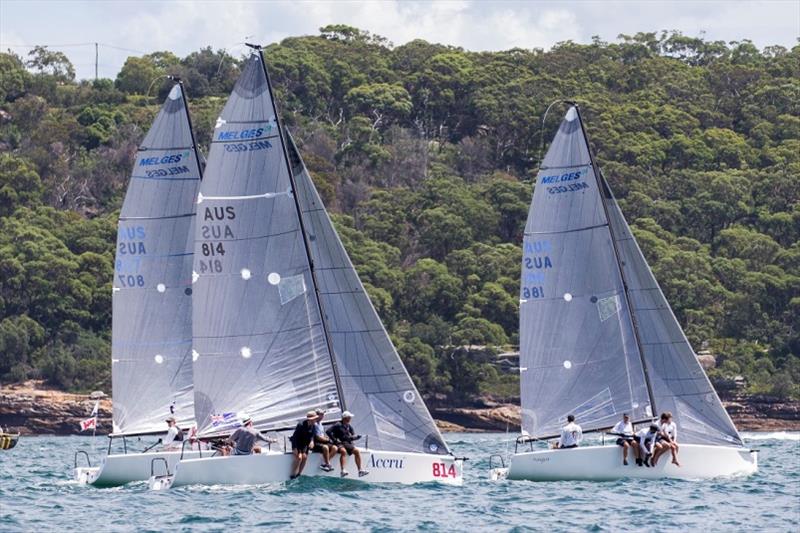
{"x":347,"y":414}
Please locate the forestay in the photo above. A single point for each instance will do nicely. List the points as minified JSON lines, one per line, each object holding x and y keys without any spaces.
{"x":578,"y":352}
{"x":679,"y":383}
{"x":152,"y":303}
{"x":258,"y":338}
{"x":375,"y":384}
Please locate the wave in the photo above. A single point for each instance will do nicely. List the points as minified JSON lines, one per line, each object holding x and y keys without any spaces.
{"x":772,"y":435}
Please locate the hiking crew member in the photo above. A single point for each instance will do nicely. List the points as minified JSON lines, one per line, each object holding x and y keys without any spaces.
{"x":302,"y":441}
{"x":667,"y":438}
{"x":343,"y":435}
{"x":174,"y":438}
{"x":244,"y":438}
{"x":322,"y":443}
{"x":624,"y":430}
{"x":571,"y":434}
{"x":646,"y":440}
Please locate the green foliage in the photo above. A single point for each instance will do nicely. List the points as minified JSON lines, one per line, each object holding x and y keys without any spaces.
{"x":425,"y":153}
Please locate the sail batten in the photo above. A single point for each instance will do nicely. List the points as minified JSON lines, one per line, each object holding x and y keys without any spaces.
{"x":151,"y":369}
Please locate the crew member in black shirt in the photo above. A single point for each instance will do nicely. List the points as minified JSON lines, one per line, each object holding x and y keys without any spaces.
{"x":302,"y":441}
{"x":343,"y":435}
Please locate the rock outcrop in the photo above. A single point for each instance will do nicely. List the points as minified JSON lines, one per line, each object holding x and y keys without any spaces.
{"x":30,"y":408}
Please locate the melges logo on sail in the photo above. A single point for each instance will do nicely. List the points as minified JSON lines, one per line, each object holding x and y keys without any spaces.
{"x":169,"y":159}
{"x":569,"y":180}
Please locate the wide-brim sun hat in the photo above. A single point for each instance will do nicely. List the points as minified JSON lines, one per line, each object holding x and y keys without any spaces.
{"x":170,"y":419}
{"x":311,"y":414}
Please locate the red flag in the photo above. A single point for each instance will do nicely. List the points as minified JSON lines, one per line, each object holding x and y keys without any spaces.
{"x":89,"y":423}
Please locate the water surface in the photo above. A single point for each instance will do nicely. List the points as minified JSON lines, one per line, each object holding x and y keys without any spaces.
{"x":36,"y":493}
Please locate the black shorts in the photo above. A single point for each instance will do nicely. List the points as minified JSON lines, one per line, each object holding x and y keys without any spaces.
{"x":349,"y":447}
{"x":301,"y":450}
{"x":621,"y":440}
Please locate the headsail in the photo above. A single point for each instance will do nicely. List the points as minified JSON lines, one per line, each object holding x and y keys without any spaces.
{"x":375,"y":384}
{"x":152,"y":303}
{"x":259,"y":342}
{"x":578,"y":352}
{"x":679,"y":383}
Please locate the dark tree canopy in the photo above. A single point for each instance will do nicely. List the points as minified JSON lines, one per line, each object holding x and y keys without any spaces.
{"x":425,"y":154}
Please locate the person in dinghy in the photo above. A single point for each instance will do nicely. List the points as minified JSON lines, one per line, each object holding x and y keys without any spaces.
{"x":624,"y":431}
{"x":571,"y":435}
{"x":666,"y":439}
{"x":343,"y":435}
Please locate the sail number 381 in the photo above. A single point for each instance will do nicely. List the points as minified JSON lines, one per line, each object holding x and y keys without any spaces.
{"x":533,"y":292}
{"x":442,"y":470}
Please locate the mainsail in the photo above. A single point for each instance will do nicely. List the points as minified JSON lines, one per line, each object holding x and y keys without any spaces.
{"x":578,"y":350}
{"x":152,"y":302}
{"x":375,"y":384}
{"x":579,"y":248}
{"x":259,"y":342}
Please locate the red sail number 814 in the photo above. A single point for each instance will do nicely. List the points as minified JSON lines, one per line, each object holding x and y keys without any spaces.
{"x":441,"y":470}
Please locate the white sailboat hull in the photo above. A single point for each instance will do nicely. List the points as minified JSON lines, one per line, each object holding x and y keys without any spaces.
{"x":604,"y":463}
{"x":120,"y":469}
{"x":383,"y":467}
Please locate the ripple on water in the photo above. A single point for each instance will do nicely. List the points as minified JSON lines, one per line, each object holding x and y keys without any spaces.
{"x":37,"y":493}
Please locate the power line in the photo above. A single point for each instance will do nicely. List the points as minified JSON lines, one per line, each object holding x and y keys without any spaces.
{"x":106,"y":45}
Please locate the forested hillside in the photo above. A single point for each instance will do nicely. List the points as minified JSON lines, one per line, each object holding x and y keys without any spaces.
{"x":426,"y":154}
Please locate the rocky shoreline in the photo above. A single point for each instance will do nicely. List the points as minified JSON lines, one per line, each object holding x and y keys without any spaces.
{"x":31,"y":409}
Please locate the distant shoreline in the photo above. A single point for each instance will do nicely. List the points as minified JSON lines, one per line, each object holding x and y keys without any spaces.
{"x":31,"y":409}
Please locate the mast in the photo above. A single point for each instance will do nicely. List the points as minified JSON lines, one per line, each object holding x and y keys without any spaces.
{"x":306,"y":244}
{"x":606,"y":192}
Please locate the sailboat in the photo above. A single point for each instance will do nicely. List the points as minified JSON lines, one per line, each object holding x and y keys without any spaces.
{"x":8,"y":440}
{"x":151,"y":361}
{"x":598,"y":338}
{"x":282,"y":323}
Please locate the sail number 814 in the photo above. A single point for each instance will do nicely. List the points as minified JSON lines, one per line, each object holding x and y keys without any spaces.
{"x":442,"y":470}
{"x":211,"y":249}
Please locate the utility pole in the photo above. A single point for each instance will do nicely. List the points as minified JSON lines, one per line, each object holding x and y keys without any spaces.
{"x":95,"y":61}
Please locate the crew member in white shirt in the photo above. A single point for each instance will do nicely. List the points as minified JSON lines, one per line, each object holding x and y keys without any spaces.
{"x":174,"y":438}
{"x":667,"y":438}
{"x":571,"y":434}
{"x":646,"y":440}
{"x":624,"y":430}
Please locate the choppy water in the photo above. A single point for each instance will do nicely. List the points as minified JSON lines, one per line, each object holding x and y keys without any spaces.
{"x":36,"y":494}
